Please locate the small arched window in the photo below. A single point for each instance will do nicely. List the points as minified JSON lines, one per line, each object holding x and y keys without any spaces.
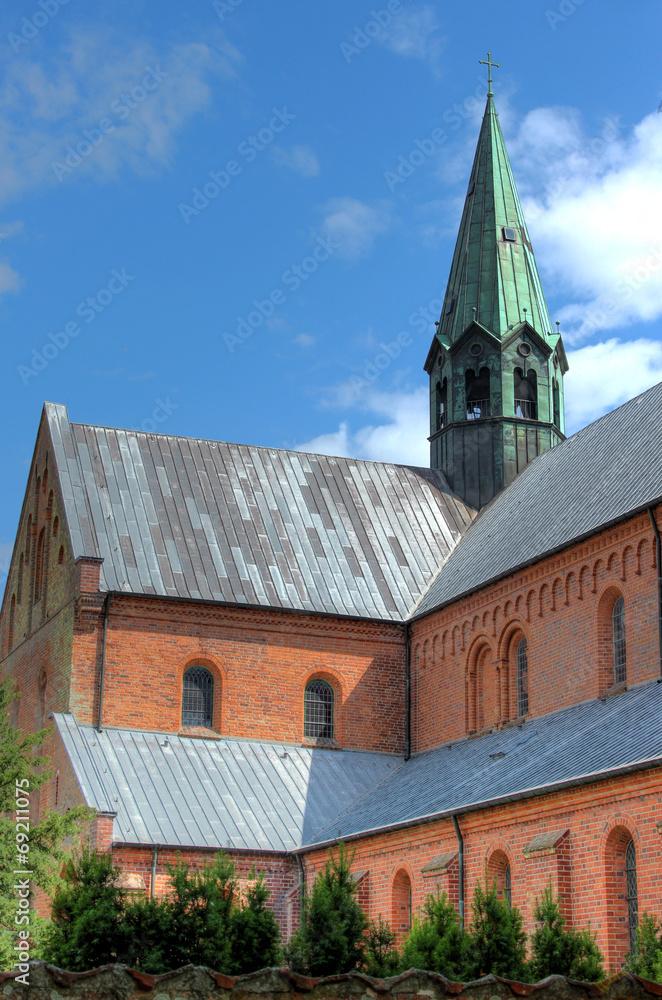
{"x":441,"y":395}
{"x":56,"y":526}
{"x":526,"y":394}
{"x":198,"y":697}
{"x":618,"y":639}
{"x":19,"y":584}
{"x":60,"y":556}
{"x":522,"y":665}
{"x":478,"y":393}
{"x":632,"y":896}
{"x":318,"y":710}
{"x":557,"y":403}
{"x":12,"y":617}
{"x":39,"y":566}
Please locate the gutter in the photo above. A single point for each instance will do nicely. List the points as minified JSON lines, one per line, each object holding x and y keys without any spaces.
{"x":102,"y":676}
{"x":155,"y":856}
{"x":408,"y":692}
{"x":658,"y":563}
{"x":302,"y":885}
{"x":460,"y":869}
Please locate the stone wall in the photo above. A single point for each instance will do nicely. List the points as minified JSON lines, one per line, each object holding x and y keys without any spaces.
{"x":116,"y":982}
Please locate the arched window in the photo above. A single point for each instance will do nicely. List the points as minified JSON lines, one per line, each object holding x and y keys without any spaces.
{"x":19,"y":584}
{"x":618,"y":639}
{"x":56,"y":526}
{"x":318,"y":710}
{"x":60,"y":556}
{"x":499,"y":873}
{"x":198,"y":698}
{"x":401,"y":903}
{"x":522,"y":664}
{"x":507,"y":887}
{"x":39,"y":566}
{"x":441,"y":394}
{"x":28,"y":540}
{"x":478,"y":393}
{"x":12,"y":616}
{"x":631,"y":882}
{"x":526,"y":394}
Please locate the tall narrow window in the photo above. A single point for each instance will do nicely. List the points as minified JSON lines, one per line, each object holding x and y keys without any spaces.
{"x":441,"y":391}
{"x":39,"y":566}
{"x":12,"y":617}
{"x":507,"y":887}
{"x":318,"y":710}
{"x":478,"y":394}
{"x":618,"y":633}
{"x":522,"y":663}
{"x":19,"y":585}
{"x":526,"y":394}
{"x":557,"y":403}
{"x":631,"y":880}
{"x":198,"y":697}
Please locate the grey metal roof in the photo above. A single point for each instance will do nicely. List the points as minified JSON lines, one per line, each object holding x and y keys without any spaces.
{"x":185,"y":792}
{"x":604,"y":472}
{"x":189,"y":518}
{"x":566,"y":747}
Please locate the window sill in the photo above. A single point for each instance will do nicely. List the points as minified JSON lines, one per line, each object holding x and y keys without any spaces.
{"x":612,"y":691}
{"x":319,"y":741}
{"x":200,"y":732}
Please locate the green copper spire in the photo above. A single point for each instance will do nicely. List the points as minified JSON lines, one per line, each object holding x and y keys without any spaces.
{"x":496,"y":365}
{"x":495,"y":275}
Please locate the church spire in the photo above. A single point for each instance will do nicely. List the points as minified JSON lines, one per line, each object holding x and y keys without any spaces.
{"x":496,"y":365}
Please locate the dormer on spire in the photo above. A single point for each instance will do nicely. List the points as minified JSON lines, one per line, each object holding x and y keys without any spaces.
{"x":496,"y":365}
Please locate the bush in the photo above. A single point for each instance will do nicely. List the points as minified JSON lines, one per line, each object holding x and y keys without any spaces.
{"x":557,"y":950}
{"x":331,"y":937}
{"x":496,"y":942}
{"x":255,"y":931}
{"x":381,"y":958}
{"x":435,"y":941}
{"x":645,"y":959}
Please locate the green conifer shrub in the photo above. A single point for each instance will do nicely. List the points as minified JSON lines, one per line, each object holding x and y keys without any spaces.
{"x":435,"y":942}
{"x":255,"y":931}
{"x":560,"y":950}
{"x":645,"y":959}
{"x":381,"y":957}
{"x":331,"y":937}
{"x":496,"y":942}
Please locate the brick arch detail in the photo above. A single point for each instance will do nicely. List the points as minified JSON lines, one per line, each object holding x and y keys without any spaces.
{"x":221,"y":683}
{"x":617,"y":833}
{"x":402,"y":891}
{"x":607,"y":598}
{"x":570,"y":581}
{"x":481,"y":648}
{"x":628,"y":551}
{"x":641,"y":554}
{"x":584,"y":581}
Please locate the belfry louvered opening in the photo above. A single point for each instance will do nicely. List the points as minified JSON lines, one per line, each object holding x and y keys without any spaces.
{"x":318,"y":710}
{"x":198,"y":697}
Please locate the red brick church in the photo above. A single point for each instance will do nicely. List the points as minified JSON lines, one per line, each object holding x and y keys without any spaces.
{"x":449,"y":668}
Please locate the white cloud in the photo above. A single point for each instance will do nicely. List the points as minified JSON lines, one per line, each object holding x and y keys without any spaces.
{"x":304,"y":340}
{"x":401,"y":437}
{"x":595,"y":214}
{"x":44,"y":108}
{"x":414,"y":34}
{"x":602,"y":376}
{"x":10,"y":280}
{"x":354,"y":225}
{"x":301,"y":159}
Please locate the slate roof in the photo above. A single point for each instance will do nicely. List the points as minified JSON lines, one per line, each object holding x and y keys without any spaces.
{"x":173,"y":790}
{"x":188,"y":518}
{"x":570,"y":747}
{"x":605,"y":472}
{"x":185,"y":792}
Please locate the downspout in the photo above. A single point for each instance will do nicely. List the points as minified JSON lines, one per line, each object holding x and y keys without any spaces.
{"x":658,"y":563}
{"x":407,"y":693}
{"x":155,"y":857}
{"x":302,"y":885}
{"x":460,"y":869}
{"x":103,"y":660}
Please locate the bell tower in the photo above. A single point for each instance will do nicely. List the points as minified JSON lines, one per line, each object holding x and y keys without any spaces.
{"x":496,"y":366}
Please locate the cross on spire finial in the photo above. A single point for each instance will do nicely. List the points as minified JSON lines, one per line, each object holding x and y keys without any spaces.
{"x":488,"y":62}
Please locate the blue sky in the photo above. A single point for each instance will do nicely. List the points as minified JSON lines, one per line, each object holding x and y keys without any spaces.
{"x":290,"y":120}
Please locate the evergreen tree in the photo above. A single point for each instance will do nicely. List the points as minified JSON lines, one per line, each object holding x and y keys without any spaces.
{"x":558,"y":950}
{"x":254,"y":930}
{"x":381,"y":958}
{"x":21,"y":768}
{"x":331,"y":937}
{"x":645,"y":959}
{"x":435,"y":942}
{"x":87,"y":927}
{"x":496,"y":942}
